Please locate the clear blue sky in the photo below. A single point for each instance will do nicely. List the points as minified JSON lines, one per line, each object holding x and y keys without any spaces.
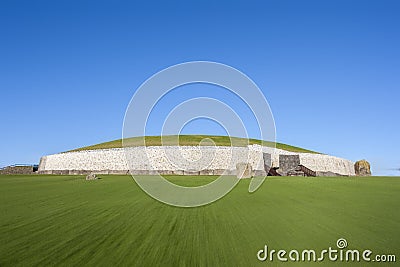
{"x":69,"y":68}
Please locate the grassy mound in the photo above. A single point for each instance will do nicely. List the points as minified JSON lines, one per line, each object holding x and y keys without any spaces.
{"x":191,"y":140}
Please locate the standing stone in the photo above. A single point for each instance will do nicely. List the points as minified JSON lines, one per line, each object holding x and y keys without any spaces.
{"x":267,"y":162}
{"x":243,"y":170}
{"x":91,"y":176}
{"x":288,"y":163}
{"x":362,"y":168}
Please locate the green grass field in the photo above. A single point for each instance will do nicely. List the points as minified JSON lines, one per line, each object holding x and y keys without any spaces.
{"x":65,"y":220}
{"x":191,"y":140}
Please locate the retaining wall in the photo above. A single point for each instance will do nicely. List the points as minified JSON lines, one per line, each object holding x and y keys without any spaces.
{"x":185,"y":160}
{"x":17,"y":170}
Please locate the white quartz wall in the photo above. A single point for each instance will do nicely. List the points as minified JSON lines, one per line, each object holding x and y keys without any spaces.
{"x":188,"y":158}
{"x":327,"y":163}
{"x":185,"y":158}
{"x":315,"y":162}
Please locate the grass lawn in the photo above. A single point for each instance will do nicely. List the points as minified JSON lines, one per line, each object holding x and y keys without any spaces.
{"x":65,"y":220}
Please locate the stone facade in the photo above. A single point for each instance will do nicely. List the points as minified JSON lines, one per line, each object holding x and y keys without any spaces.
{"x":184,"y":160}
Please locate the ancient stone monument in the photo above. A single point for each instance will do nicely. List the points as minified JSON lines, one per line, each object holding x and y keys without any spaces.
{"x":243,"y":170}
{"x":362,"y":168}
{"x":214,"y":161}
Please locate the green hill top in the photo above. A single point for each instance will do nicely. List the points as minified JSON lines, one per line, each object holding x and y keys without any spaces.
{"x":190,"y":140}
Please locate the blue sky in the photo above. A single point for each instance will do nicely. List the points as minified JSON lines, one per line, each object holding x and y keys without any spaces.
{"x":329,"y":69}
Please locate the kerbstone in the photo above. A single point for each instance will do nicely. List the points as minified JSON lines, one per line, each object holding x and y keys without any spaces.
{"x":243,"y":170}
